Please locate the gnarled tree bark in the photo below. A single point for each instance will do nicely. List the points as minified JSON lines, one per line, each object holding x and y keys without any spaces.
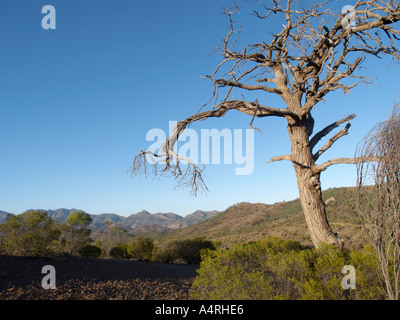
{"x":309,"y":186}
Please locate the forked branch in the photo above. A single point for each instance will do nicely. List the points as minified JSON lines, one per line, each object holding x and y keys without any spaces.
{"x":319,"y":135}
{"x":331,"y":141}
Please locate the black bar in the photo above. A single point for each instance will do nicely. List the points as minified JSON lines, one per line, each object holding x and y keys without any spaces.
{"x":194,"y":309}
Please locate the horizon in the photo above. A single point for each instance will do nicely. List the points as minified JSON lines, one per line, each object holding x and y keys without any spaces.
{"x":78,"y":102}
{"x":164,"y":212}
{"x":96,"y":214}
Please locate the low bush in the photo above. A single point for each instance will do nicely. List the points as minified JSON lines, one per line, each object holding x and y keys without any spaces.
{"x":189,"y":250}
{"x":91,"y":251}
{"x":141,"y":248}
{"x":165,"y":255}
{"x":276,"y":269}
{"x":32,"y":233}
{"x":120,"y":251}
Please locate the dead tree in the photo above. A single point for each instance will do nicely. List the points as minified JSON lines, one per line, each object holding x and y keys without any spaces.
{"x":379,"y":210}
{"x":316,"y":50}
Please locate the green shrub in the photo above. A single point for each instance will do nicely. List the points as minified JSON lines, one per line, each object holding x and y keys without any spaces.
{"x":256,"y":270}
{"x":141,"y":248}
{"x":91,"y":251}
{"x":120,"y":251}
{"x":165,"y":255}
{"x":326,"y":279}
{"x":231,"y":274}
{"x":276,"y":269}
{"x":189,"y":250}
{"x":368,"y":270}
{"x":32,"y":233}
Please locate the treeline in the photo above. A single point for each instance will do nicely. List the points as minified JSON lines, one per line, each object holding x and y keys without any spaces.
{"x":34,"y":233}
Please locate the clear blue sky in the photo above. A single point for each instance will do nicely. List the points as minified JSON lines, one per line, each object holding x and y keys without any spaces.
{"x":76,"y":104}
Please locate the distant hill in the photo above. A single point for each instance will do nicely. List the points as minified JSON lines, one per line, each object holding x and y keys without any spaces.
{"x":160,"y":222}
{"x":60,"y":214}
{"x":98,"y":220}
{"x":166,"y":221}
{"x":245,"y":222}
{"x":149,"y":230}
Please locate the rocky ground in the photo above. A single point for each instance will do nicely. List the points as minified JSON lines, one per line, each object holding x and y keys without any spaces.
{"x":80,"y":278}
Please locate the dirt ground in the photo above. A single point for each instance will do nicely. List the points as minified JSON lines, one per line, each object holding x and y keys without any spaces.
{"x":80,"y":278}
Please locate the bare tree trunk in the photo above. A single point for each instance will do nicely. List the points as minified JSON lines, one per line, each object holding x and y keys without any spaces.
{"x":310,"y":187}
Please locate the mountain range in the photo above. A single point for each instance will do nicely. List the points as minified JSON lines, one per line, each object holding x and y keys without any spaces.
{"x":159,"y":220}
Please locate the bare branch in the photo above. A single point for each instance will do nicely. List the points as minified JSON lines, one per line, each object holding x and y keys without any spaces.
{"x":168,"y":162}
{"x":331,"y":141}
{"x":319,"y":135}
{"x":247,"y":87}
{"x":250,"y":108}
{"x":325,"y":165}
{"x":252,"y":119}
{"x":329,"y":201}
{"x":159,"y":166}
{"x":280,"y":158}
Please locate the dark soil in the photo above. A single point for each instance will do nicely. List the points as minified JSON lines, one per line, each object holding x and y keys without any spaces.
{"x":80,"y":278}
